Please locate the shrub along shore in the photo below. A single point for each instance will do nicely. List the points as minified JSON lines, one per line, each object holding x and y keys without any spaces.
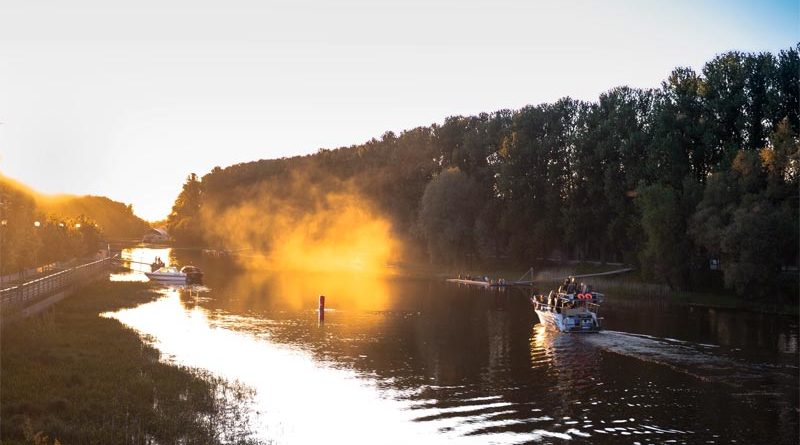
{"x":70,"y":376}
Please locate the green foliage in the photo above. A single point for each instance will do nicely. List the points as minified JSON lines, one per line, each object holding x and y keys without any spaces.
{"x":754,"y":246}
{"x":532,"y":173}
{"x":725,"y":99}
{"x":447,"y":215}
{"x":562,"y":179}
{"x":666,"y":255}
{"x":781,"y":159}
{"x":609,"y":164}
{"x":787,"y":88}
{"x":18,"y":240}
{"x":116,"y":219}
{"x":681,"y":145}
{"x":30,"y":237}
{"x":748,"y":217}
{"x":184,"y":222}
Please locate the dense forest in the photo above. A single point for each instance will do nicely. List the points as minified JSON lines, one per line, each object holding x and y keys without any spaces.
{"x":37,"y":230}
{"x":699,"y":174}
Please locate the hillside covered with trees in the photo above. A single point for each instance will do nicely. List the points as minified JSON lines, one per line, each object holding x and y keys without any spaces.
{"x":37,"y":229}
{"x":115,"y":219}
{"x":701,"y":171}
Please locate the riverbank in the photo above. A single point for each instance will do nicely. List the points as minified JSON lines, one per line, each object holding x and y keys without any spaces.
{"x":630,"y":285}
{"x":73,"y":376}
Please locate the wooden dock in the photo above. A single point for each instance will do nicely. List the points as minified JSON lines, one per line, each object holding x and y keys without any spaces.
{"x":483,"y":283}
{"x":600,"y":274}
{"x":522,"y":282}
{"x":496,"y":283}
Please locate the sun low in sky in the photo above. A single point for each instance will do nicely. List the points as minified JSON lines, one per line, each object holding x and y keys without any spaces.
{"x":125,"y":99}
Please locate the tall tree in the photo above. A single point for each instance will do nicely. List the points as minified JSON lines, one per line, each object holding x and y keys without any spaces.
{"x":667,"y":254}
{"x":447,"y":215}
{"x":787,"y":94}
{"x":184,"y":222}
{"x":679,"y":148}
{"x":635,"y":173}
{"x":725,"y":96}
{"x":609,"y":163}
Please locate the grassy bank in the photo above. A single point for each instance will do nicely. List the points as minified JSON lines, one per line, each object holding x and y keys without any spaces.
{"x":72,"y":376}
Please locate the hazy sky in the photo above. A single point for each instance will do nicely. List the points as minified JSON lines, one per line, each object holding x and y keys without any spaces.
{"x":125,"y":99}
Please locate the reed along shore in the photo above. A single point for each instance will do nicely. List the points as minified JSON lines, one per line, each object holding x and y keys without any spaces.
{"x":70,"y":376}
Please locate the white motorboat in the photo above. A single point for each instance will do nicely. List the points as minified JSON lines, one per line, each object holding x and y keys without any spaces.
{"x":167,"y":274}
{"x":186,"y":275}
{"x":572,"y":308}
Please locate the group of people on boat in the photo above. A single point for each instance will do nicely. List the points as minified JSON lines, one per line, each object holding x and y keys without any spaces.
{"x":571,"y":308}
{"x":571,"y":287}
{"x":559,"y":303}
{"x":157,"y":264}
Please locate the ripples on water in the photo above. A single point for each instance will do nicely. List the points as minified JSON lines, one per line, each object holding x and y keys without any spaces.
{"x":441,"y":364}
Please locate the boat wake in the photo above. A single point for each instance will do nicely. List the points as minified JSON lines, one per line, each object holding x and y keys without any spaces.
{"x":704,"y":362}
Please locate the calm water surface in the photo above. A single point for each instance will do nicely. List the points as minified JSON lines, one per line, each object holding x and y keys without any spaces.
{"x":422,"y":361}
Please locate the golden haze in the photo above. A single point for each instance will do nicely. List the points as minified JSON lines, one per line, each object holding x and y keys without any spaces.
{"x":290,"y":224}
{"x":301,"y":239}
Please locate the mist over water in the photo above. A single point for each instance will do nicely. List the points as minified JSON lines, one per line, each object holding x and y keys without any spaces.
{"x":403,"y":360}
{"x":297,"y":224}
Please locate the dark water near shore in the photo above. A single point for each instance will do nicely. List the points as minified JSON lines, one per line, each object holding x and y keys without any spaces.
{"x":422,"y":361}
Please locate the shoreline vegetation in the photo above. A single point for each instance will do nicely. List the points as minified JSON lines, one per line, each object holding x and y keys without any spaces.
{"x":693,"y":182}
{"x":549,"y":273}
{"x":70,"y":376}
{"x":629,"y":285}
{"x":38,"y":229}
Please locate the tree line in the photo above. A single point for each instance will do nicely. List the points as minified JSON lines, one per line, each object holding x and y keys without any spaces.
{"x":37,"y":230}
{"x":698,"y":174}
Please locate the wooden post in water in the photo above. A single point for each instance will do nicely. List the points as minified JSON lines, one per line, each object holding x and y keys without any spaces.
{"x":322,"y":308}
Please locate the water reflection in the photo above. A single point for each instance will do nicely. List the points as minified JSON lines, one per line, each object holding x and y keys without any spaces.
{"x":293,"y":291}
{"x":294,"y":391}
{"x":729,"y":328}
{"x":401,"y":360}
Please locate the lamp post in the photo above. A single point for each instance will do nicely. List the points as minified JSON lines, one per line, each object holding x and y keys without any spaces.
{"x":3,"y":224}
{"x":36,"y":225}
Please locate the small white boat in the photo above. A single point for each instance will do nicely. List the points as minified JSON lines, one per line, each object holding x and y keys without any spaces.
{"x":167,"y":274}
{"x":571,"y":308}
{"x":188,"y":274}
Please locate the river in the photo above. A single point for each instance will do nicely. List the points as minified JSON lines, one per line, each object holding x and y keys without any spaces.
{"x":417,"y":360}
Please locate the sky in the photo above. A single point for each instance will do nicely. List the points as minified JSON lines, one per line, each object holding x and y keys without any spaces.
{"x":125,"y":99}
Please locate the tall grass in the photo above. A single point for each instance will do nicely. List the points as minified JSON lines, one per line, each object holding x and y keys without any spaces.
{"x":72,"y":376}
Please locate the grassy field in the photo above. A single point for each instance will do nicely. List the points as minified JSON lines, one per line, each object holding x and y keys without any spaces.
{"x":72,"y":377}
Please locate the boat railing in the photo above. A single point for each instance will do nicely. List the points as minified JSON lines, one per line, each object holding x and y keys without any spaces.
{"x":566,"y":304}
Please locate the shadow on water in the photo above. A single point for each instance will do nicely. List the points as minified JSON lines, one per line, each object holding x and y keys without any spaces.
{"x":400,"y":360}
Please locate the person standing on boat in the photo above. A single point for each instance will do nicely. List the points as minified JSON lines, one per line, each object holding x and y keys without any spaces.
{"x":563,"y":288}
{"x":571,"y":286}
